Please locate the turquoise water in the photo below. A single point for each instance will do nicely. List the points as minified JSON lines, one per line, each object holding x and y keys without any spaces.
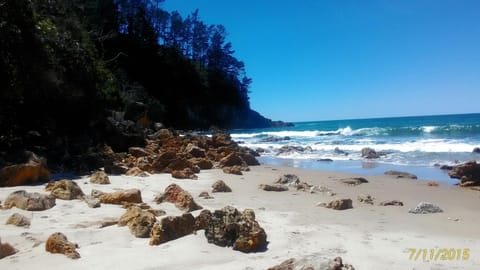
{"x":415,"y":144}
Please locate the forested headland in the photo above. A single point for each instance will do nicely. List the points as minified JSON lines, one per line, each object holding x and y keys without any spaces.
{"x":76,"y":74}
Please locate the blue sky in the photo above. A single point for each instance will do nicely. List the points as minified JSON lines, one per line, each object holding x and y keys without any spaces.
{"x":322,"y":60}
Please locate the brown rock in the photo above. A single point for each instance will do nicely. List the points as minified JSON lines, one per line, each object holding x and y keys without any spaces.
{"x":268,"y":187}
{"x":115,"y":169}
{"x":139,"y":221}
{"x":398,"y":174}
{"x":337,"y":264}
{"x":161,"y":134}
{"x":135,"y":171}
{"x":205,"y":195}
{"x":341,"y":204}
{"x":220,"y":186}
{"x":232,"y":159}
{"x":288,"y":179}
{"x":119,"y":197}
{"x":180,"y":164}
{"x":6,"y":249}
{"x":367,"y":199}
{"x":18,"y":220}
{"x":181,"y":198}
{"x":468,"y":173}
{"x":170,"y":228}
{"x":202,"y":163}
{"x":249,"y":159}
{"x":58,"y":243}
{"x":186,"y":173}
{"x":195,"y":151}
{"x":29,"y":201}
{"x":221,"y":139}
{"x":237,"y":170}
{"x":163,"y":160}
{"x":22,"y":174}
{"x":138,"y":152}
{"x":289,"y":264}
{"x":99,"y":178}
{"x":354,"y":181}
{"x":65,"y":190}
{"x":202,"y":220}
{"x":391,"y":202}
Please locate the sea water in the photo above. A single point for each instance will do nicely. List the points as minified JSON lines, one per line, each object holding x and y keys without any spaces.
{"x":415,"y":144}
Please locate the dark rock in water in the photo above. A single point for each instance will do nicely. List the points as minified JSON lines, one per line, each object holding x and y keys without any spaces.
{"x":275,"y":139}
{"x":325,"y":160}
{"x":425,"y":208}
{"x":398,"y":174}
{"x":391,"y":202}
{"x":339,"y":151}
{"x":445,"y":167}
{"x":468,"y":173}
{"x":476,"y":150}
{"x":287,"y":149}
{"x":369,"y":153}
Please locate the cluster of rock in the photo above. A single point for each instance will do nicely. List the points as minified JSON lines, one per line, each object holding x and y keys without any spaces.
{"x":313,"y":264}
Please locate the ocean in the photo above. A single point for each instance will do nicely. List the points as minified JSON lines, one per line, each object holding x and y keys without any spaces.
{"x":416,"y":144}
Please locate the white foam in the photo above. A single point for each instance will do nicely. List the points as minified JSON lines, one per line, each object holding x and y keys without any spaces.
{"x":429,"y":129}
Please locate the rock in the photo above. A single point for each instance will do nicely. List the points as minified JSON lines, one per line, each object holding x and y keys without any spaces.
{"x":249,"y":159}
{"x":221,"y":139}
{"x":181,"y":198}
{"x":288,"y":149}
{"x":205,"y":195}
{"x":29,"y":201}
{"x":468,"y":173}
{"x":337,"y":264}
{"x":229,"y":227}
{"x":58,"y":243}
{"x":476,"y":150}
{"x":354,"y":181}
{"x":195,"y":151}
{"x":341,"y":204}
{"x":32,"y":171}
{"x":325,"y":160}
{"x":367,"y":199}
{"x":65,"y":190}
{"x":202,"y":163}
{"x":202,"y":220}
{"x":161,"y":134}
{"x":275,"y":139}
{"x":237,"y":170}
{"x":119,"y":197}
{"x":115,"y":169}
{"x":369,"y":153}
{"x":170,"y":228}
{"x":391,"y":202}
{"x":186,"y":173}
{"x":232,"y":159}
{"x":220,"y":186}
{"x":398,"y":174}
{"x":99,"y":178}
{"x":92,"y":202}
{"x":446,"y":167}
{"x":268,"y":187}
{"x":425,"y":208}
{"x":339,"y":151}
{"x":135,"y":171}
{"x":18,"y":220}
{"x":138,"y":152}
{"x":432,"y":184}
{"x":287,"y":179}
{"x":139,"y":221}
{"x":6,"y":249}
{"x":314,"y":262}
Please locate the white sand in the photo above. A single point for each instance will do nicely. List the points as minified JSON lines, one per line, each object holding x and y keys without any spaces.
{"x":369,"y":237}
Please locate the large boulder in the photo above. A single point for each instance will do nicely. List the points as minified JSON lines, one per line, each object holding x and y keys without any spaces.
{"x":65,"y":190}
{"x":119,"y":197}
{"x":178,"y":196}
{"x":32,"y":171}
{"x":229,"y":227}
{"x":425,"y":208}
{"x":369,"y":153}
{"x":172,"y":227}
{"x":139,"y":221}
{"x":468,"y":173}
{"x":398,"y":174}
{"x":18,"y":220}
{"x":100,"y":178}
{"x":341,"y":204}
{"x":220,"y":186}
{"x":58,"y":243}
{"x":6,"y":249}
{"x":29,"y":201}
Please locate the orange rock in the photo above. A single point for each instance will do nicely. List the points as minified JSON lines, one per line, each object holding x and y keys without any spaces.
{"x":181,"y":198}
{"x":21,"y":174}
{"x":186,"y":173}
{"x":58,"y":243}
{"x":170,"y":228}
{"x":6,"y":250}
{"x":119,"y":197}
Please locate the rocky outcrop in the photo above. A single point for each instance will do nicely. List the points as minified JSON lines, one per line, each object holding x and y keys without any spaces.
{"x":354,"y":181}
{"x":275,"y":187}
{"x":171,"y":227}
{"x":139,"y":221}
{"x":220,"y":186}
{"x":32,"y":171}
{"x":367,"y":199}
{"x":369,"y":153}
{"x":341,"y":204}
{"x":6,"y":250}
{"x":399,"y":175}
{"x":391,"y":203}
{"x":119,"y":197}
{"x":18,"y":220}
{"x":65,"y":190}
{"x":181,"y":198}
{"x":425,"y":208}
{"x":58,"y":243}
{"x":468,"y":173}
{"x":100,"y":178}
{"x":229,"y":227}
{"x":29,"y":201}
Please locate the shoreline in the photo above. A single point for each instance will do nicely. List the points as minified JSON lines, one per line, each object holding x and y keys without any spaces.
{"x":367,"y":236}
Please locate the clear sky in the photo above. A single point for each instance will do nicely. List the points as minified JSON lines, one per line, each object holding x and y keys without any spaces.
{"x":321,"y":60}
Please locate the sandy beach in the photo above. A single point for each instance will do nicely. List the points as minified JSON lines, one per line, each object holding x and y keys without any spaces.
{"x":367,"y":236}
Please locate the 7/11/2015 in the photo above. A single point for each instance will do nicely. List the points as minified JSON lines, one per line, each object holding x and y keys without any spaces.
{"x":442,"y":254}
